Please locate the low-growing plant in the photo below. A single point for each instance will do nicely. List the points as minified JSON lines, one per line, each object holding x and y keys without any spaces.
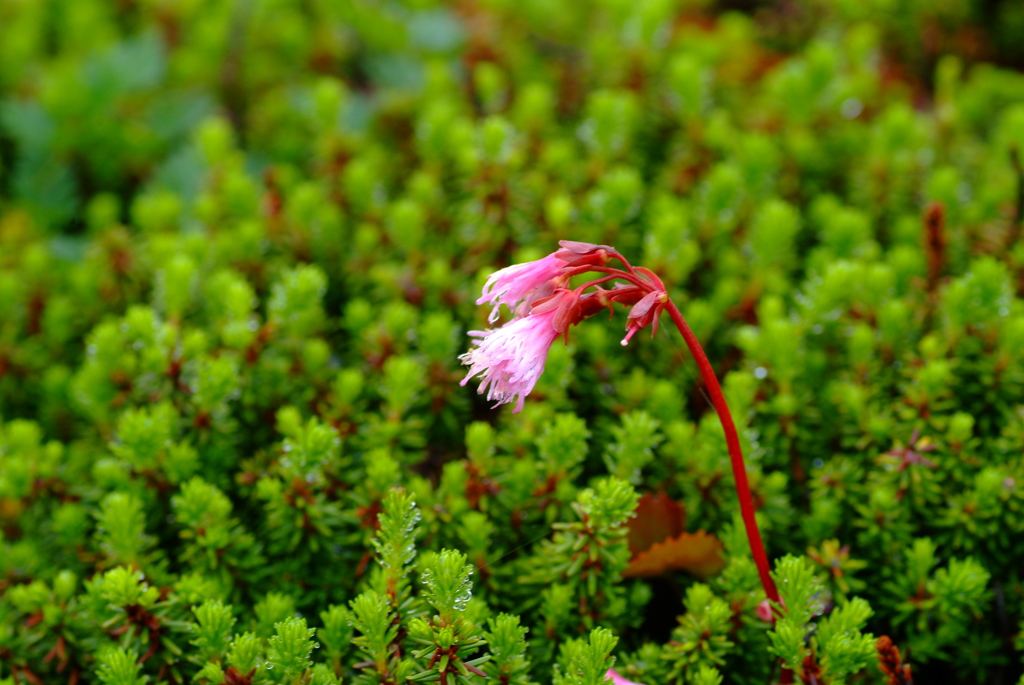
{"x":241,"y":245}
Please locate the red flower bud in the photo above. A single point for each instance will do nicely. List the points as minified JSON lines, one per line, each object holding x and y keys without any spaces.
{"x":645,"y":313}
{"x":565,"y":304}
{"x":584,"y":254}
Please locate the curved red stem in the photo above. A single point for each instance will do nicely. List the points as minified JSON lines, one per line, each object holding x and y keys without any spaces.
{"x":596,"y":282}
{"x":617,"y":273}
{"x":739,"y":469}
{"x":732,"y":440}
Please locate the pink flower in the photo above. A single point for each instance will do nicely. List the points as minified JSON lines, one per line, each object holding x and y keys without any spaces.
{"x":617,"y":679}
{"x":516,"y":283}
{"x":764,"y":612}
{"x":510,"y":359}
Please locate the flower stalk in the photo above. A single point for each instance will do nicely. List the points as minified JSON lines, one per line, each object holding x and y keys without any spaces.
{"x":732,"y":441}
{"x":510,"y":359}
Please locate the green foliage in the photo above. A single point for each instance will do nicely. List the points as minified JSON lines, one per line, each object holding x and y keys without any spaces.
{"x":949,"y":598}
{"x":633,"y":448}
{"x":585,"y":661}
{"x":845,"y":651}
{"x":446,"y":584}
{"x":562,"y":445}
{"x":336,"y":634}
{"x":245,"y":653}
{"x":506,"y":639}
{"x":587,"y":556}
{"x":121,"y":587}
{"x":449,"y":636}
{"x":701,"y":640}
{"x":240,"y":249}
{"x":214,"y":621}
{"x":290,"y":647}
{"x":214,"y":540}
{"x":121,"y":528}
{"x":396,"y":542}
{"x":118,"y":667}
{"x":838,"y":646}
{"x":371,"y":616}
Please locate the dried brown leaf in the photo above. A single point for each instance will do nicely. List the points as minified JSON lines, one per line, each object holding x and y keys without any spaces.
{"x":698,"y":553}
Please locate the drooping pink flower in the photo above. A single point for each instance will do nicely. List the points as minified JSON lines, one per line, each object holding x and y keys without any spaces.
{"x":618,"y":679}
{"x":510,"y":359}
{"x":515,"y":283}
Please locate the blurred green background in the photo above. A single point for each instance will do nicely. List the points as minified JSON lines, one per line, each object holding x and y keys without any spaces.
{"x":240,"y":244}
{"x":101,"y":100}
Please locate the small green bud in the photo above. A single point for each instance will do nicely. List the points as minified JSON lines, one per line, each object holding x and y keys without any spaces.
{"x":64,"y":585}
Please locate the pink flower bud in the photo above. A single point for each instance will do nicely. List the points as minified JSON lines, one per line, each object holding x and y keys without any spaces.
{"x":645,"y":313}
{"x":584,"y":254}
{"x":764,"y":612}
{"x":618,"y":679}
{"x":565,"y":304}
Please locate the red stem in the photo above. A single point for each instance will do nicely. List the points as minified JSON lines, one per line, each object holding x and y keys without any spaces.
{"x":724,"y":415}
{"x":615,"y":273}
{"x":739,"y":470}
{"x":596,"y":282}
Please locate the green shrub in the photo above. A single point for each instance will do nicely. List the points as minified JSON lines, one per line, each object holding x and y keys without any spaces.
{"x":240,"y":249}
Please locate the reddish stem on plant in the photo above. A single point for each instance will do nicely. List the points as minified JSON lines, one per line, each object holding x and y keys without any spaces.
{"x":732,"y":440}
{"x":739,"y":469}
{"x":616,"y":273}
{"x":597,"y":282}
